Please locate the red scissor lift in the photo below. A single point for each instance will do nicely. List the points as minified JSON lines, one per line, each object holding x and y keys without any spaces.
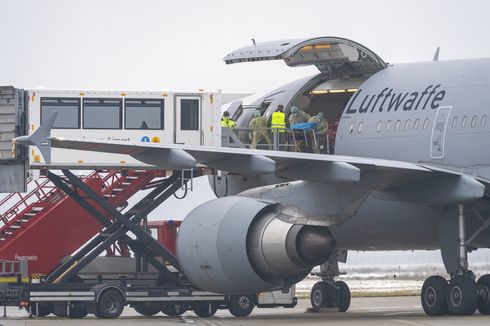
{"x":45,"y":225}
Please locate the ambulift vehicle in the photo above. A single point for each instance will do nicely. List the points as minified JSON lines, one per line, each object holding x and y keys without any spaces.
{"x":150,"y":282}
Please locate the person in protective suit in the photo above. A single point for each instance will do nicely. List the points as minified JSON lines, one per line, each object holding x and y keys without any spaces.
{"x":259,"y":130}
{"x":298,"y":116}
{"x":321,"y":130}
{"x":226,"y":121}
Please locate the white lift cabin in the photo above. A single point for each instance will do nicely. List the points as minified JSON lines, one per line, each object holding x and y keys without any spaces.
{"x":191,"y":118}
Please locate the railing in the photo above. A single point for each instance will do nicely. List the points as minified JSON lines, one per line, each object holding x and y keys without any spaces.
{"x":13,"y":267}
{"x":43,"y":191}
{"x":291,"y":140}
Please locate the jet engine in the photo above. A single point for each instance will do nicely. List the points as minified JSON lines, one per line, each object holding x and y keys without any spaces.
{"x":241,"y":245}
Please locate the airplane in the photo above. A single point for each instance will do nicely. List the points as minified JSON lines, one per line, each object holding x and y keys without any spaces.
{"x":409,"y":170}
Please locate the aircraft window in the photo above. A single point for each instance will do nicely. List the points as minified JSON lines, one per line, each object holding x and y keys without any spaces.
{"x":397,"y":125}
{"x":351,"y":128}
{"x":464,"y":121}
{"x":143,"y":114}
{"x":68,"y":109}
{"x":359,"y":127}
{"x":483,"y":120}
{"x":416,"y":124}
{"x":102,"y":113}
{"x":407,"y":124}
{"x":189,"y":114}
{"x":388,"y":125}
{"x":455,"y":122}
{"x":378,"y":127}
{"x":473,"y":121}
{"x":426,"y":124}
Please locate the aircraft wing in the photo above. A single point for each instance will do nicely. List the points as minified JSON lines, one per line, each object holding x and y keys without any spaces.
{"x":408,"y":180}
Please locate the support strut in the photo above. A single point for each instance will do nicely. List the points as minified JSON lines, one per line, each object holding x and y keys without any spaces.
{"x":118,"y":227}
{"x":462,"y":250}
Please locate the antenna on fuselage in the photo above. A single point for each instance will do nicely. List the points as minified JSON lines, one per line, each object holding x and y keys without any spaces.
{"x":253,"y":41}
{"x":436,"y":55}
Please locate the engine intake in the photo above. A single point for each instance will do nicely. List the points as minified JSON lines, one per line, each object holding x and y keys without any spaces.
{"x":240,"y":245}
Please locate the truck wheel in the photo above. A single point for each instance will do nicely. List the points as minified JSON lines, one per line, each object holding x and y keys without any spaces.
{"x":147,"y":308}
{"x":44,"y":309}
{"x":205,"y":310}
{"x":174,"y":309}
{"x":111,"y":304}
{"x":78,"y":311}
{"x":241,"y":305}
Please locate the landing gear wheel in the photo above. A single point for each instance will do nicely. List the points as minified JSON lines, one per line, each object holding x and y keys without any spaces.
{"x":205,"y":310}
{"x":111,"y":304}
{"x":147,"y":308}
{"x":174,"y":309}
{"x":343,"y":296}
{"x":462,"y":298}
{"x":483,"y":288}
{"x":434,"y":296}
{"x":321,"y":296}
{"x":241,"y":305}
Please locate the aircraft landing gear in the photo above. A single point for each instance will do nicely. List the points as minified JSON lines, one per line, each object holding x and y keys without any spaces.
{"x":461,"y":295}
{"x":329,"y":293}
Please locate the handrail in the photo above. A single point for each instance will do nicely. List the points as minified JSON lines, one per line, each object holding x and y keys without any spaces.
{"x":287,"y":139}
{"x":6,"y":216}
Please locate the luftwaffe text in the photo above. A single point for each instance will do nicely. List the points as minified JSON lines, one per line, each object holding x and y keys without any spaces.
{"x":389,"y":100}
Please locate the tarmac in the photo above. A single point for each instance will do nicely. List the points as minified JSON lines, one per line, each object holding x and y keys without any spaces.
{"x":368,"y":311}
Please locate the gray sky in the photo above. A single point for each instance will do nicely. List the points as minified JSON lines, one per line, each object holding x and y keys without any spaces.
{"x":146,"y":44}
{"x":149,"y":44}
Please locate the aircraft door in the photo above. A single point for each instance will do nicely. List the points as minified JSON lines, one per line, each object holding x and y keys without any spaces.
{"x":439,"y":132}
{"x":188,"y":120}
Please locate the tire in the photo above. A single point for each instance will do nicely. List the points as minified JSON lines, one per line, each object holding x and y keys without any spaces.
{"x":462,"y":298}
{"x":78,"y":311}
{"x":174,"y":309}
{"x":434,"y":296}
{"x":110,"y":304}
{"x":319,"y":296}
{"x":483,"y":286}
{"x":147,"y":308}
{"x":241,"y":305}
{"x":44,"y":309}
{"x":205,"y":310}
{"x":343,"y":296}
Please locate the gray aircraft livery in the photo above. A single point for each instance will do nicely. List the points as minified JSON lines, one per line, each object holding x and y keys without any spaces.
{"x":407,"y":169}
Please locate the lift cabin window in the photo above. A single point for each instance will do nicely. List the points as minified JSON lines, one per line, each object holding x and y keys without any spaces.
{"x":68,"y":112}
{"x":189,"y":114}
{"x":102,"y":113}
{"x":144,"y":114}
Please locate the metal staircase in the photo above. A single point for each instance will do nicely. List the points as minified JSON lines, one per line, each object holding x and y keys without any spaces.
{"x":45,"y":225}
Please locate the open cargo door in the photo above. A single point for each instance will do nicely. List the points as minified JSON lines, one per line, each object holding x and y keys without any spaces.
{"x":334,"y":56}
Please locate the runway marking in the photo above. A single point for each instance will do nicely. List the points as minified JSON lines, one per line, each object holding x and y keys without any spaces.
{"x":410,"y":322}
{"x":187,"y":319}
{"x":390,"y":308}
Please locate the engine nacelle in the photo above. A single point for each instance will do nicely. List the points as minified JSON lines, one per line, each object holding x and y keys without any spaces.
{"x":240,"y":245}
